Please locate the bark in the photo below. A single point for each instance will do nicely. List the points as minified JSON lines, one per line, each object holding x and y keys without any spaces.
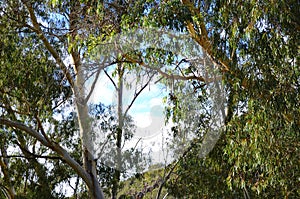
{"x":36,"y":27}
{"x":55,"y":147}
{"x":40,"y":170}
{"x":118,"y":160}
{"x":225,"y":63}
{"x":89,"y":163}
{"x":88,"y":172}
{"x":202,"y":39}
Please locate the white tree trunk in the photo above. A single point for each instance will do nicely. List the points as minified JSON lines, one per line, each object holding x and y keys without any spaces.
{"x":85,"y":129}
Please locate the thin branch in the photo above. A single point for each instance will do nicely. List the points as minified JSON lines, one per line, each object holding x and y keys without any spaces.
{"x":103,"y":145}
{"x":96,"y":79}
{"x":40,"y":126}
{"x":60,"y":103}
{"x":35,"y":156}
{"x":166,"y":75}
{"x":7,"y":106}
{"x":6,"y":191}
{"x":178,"y":65}
{"x":137,"y":94}
{"x":92,"y":87}
{"x":246,"y":194}
{"x":113,"y":82}
{"x":137,"y":143}
{"x":18,"y":21}
{"x":76,"y":186}
{"x":173,"y":167}
{"x":95,"y":69}
{"x":49,"y":47}
{"x":54,"y":146}
{"x":30,"y":131}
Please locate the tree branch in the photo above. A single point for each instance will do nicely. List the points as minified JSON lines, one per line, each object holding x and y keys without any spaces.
{"x":137,"y":94}
{"x":93,"y":86}
{"x":112,"y":81}
{"x":54,"y":146}
{"x":101,"y":67}
{"x":203,"y":38}
{"x":40,"y":126}
{"x":35,"y":156}
{"x":171,"y":76}
{"x":49,"y":47}
{"x":173,"y":166}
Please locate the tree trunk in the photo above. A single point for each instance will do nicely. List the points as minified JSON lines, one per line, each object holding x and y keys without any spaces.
{"x":119,"y":133}
{"x":89,"y":163}
{"x":81,"y":104}
{"x":85,"y":129}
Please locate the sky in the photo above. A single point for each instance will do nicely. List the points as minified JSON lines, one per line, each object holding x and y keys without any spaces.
{"x":147,"y":111}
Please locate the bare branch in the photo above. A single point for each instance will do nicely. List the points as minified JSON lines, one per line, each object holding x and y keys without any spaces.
{"x":173,"y":166}
{"x":103,"y":145}
{"x":137,"y":94}
{"x":112,"y":81}
{"x":96,"y":79}
{"x":93,"y":86}
{"x":40,"y":126}
{"x":171,"y":76}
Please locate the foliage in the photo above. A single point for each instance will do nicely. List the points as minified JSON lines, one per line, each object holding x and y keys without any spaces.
{"x":30,"y":89}
{"x":259,"y":148}
{"x":254,"y":44}
{"x":143,"y":184}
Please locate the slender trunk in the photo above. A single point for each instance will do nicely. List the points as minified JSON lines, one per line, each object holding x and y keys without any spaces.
{"x":118,"y":160}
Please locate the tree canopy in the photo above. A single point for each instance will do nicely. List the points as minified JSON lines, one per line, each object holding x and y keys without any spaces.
{"x":53,"y":52}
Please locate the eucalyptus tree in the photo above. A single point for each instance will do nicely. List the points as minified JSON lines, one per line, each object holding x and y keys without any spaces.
{"x":27,"y":80}
{"x":116,"y":127}
{"x":57,"y":28}
{"x":256,"y":46}
{"x":63,"y":33}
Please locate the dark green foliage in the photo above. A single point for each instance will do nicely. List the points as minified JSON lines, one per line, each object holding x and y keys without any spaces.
{"x":258,"y":151}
